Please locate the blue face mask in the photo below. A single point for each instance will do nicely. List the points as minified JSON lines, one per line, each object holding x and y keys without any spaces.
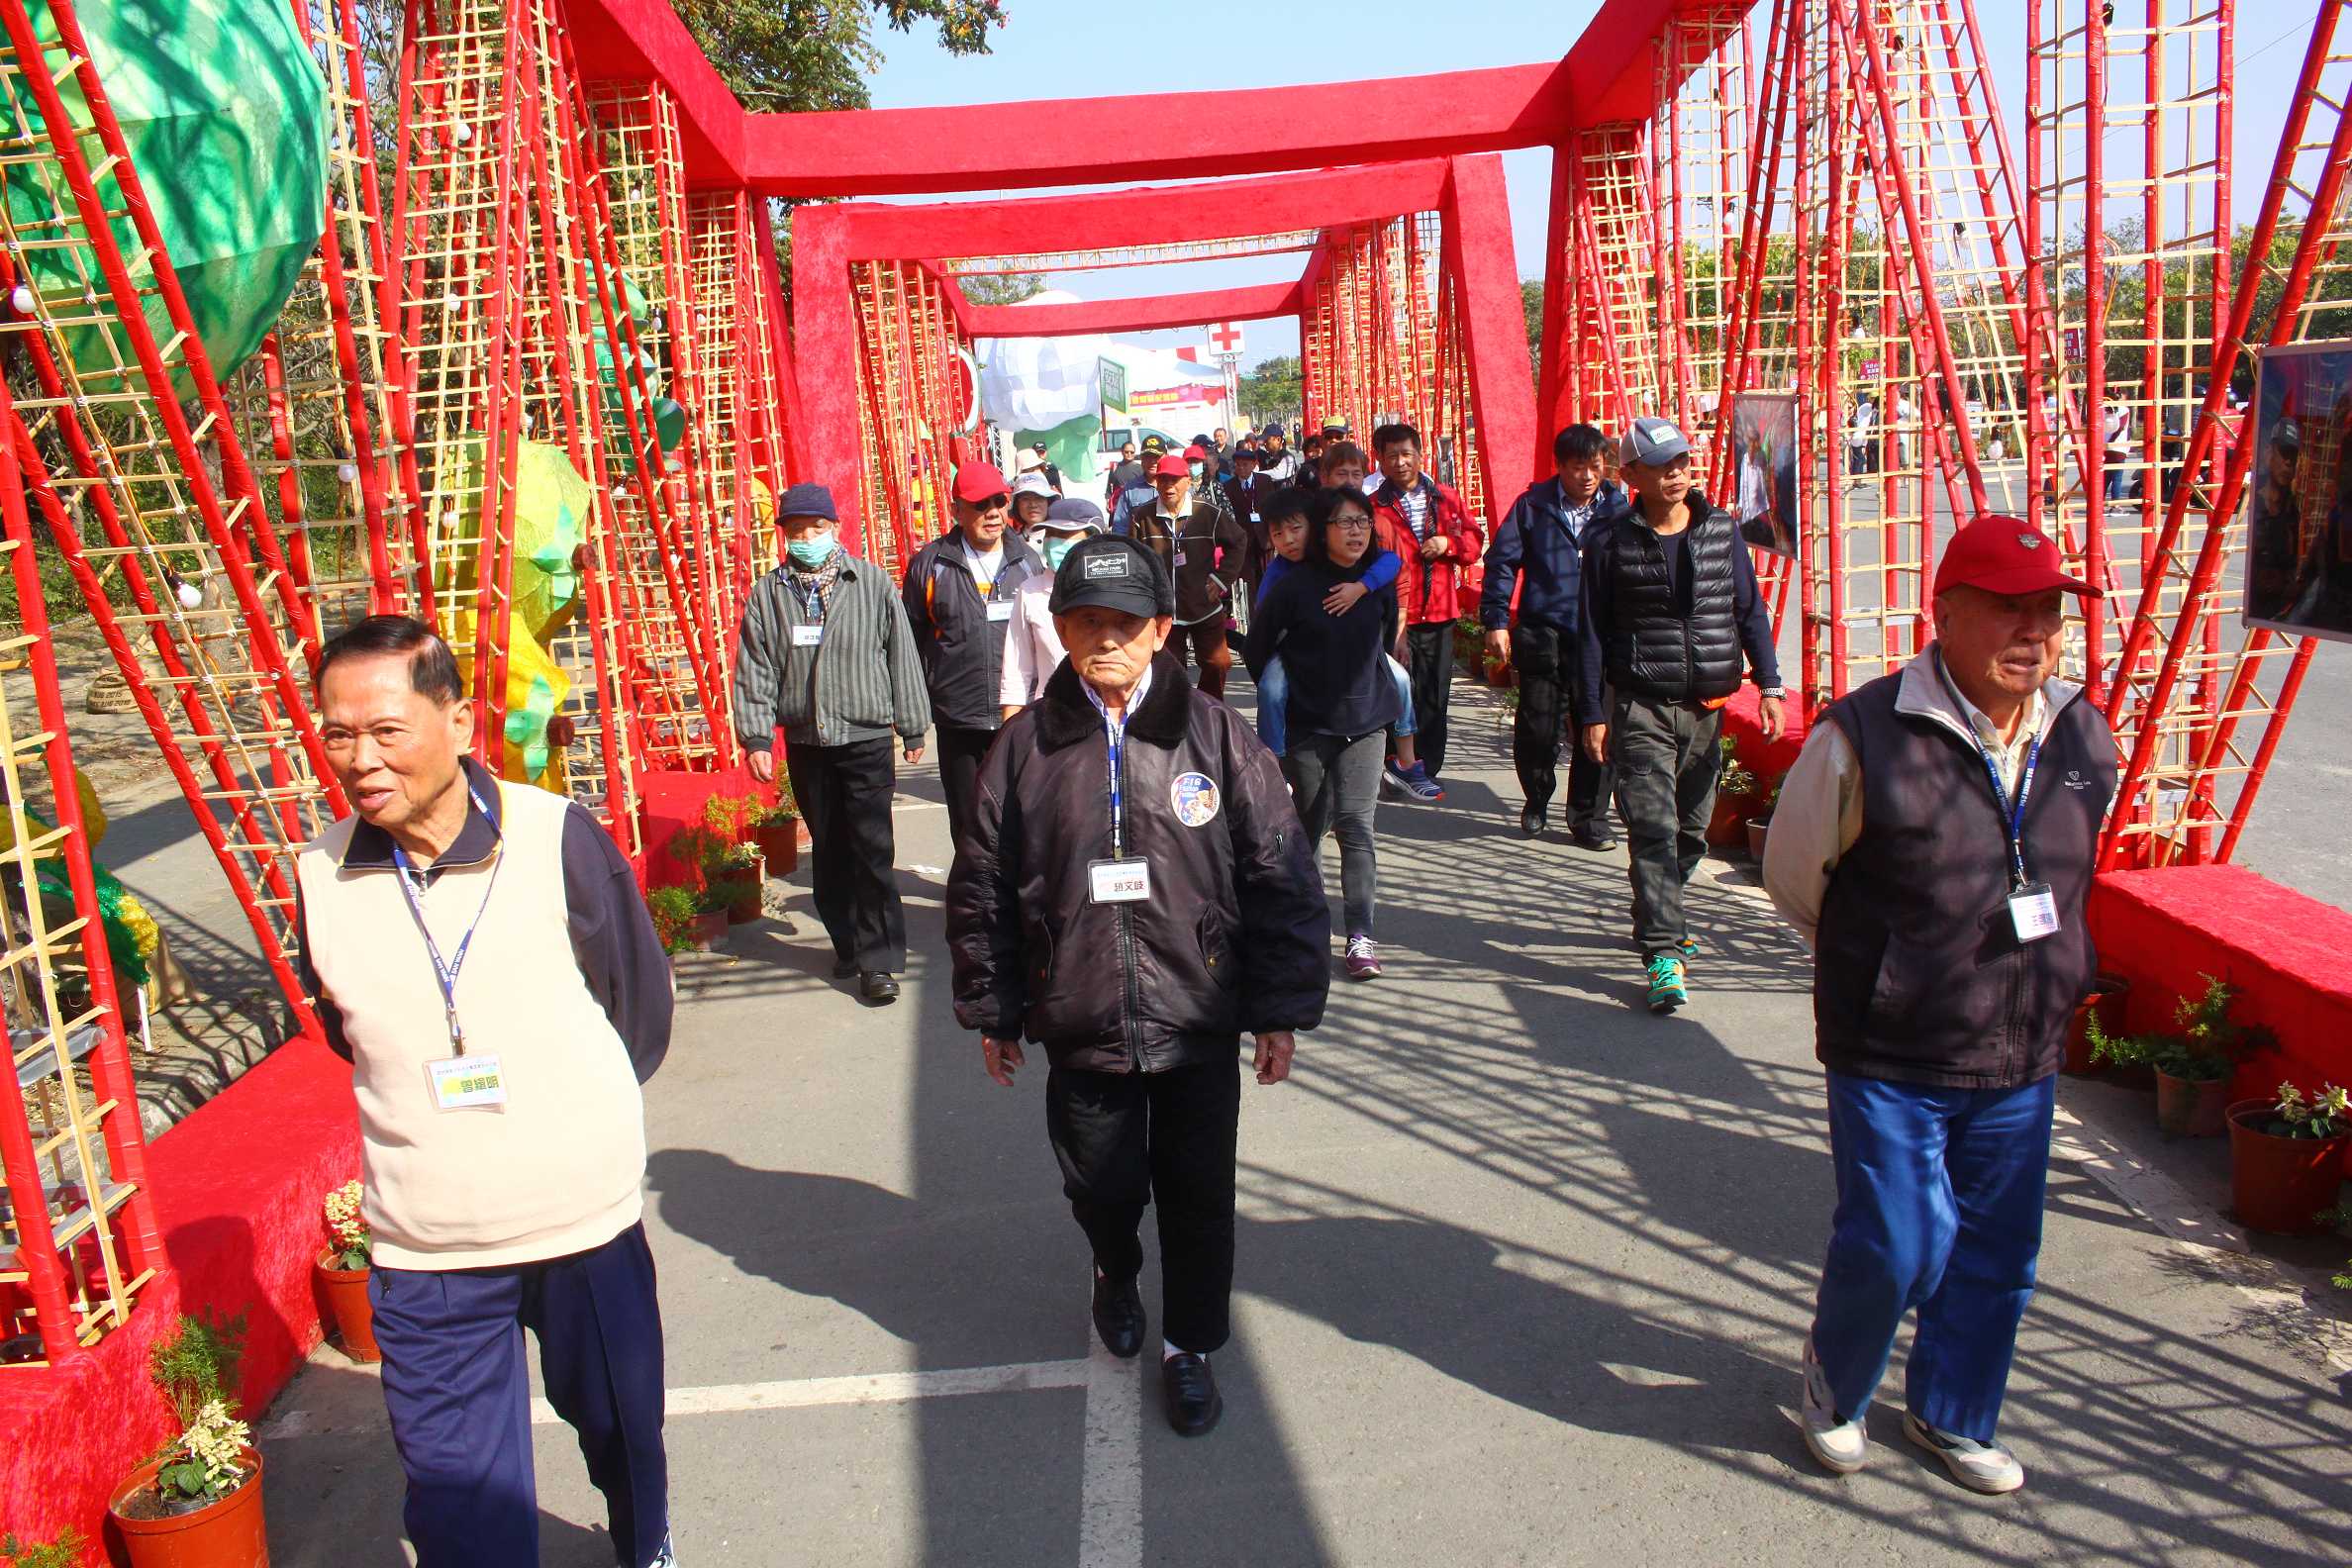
{"x":812,"y":552}
{"x":1054,"y":549}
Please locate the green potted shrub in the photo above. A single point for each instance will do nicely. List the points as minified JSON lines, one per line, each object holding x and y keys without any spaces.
{"x":197,"y":1502}
{"x":731,"y":882}
{"x":777,"y":832}
{"x":2287,"y":1158}
{"x":63,"y":1552}
{"x":2194,"y":1066}
{"x":674,"y":911}
{"x":1736,"y":793}
{"x":343,"y":1273}
{"x":2107,"y":988}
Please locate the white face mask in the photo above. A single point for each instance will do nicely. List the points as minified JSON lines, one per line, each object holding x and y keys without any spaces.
{"x":1196,"y":469}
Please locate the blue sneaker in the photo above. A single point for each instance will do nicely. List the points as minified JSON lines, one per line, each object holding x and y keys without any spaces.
{"x":1420,"y":785}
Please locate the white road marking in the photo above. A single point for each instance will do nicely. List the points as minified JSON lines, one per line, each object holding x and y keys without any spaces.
{"x":1110,"y":1495}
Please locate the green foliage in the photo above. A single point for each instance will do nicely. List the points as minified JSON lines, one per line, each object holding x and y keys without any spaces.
{"x":799,"y":55}
{"x":1275,"y":390}
{"x":993,"y":288}
{"x":673,"y":910}
{"x":786,"y":808}
{"x":197,"y":1365}
{"x":208,"y":1462}
{"x":63,"y":1552}
{"x":2208,"y":1045}
{"x":2325,"y":1114}
{"x":1532,"y":304}
{"x":1735,"y":777}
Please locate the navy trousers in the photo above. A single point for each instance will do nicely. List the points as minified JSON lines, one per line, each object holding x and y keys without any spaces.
{"x":1939,"y":1208}
{"x":459,"y":1391}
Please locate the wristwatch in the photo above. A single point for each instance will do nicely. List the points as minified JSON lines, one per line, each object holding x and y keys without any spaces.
{"x":1773,"y":691}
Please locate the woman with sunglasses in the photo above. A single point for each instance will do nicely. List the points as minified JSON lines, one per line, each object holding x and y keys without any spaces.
{"x":1342,"y":696}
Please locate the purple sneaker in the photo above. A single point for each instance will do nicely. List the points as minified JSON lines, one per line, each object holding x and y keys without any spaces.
{"x":1363,"y":958}
{"x":1420,"y":785}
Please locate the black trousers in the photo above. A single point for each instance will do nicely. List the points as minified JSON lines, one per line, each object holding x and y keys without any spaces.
{"x":844,"y":794}
{"x":960,"y":750}
{"x":1548,"y":664}
{"x":458,"y":1387}
{"x":1432,"y":664}
{"x":1129,"y":1139}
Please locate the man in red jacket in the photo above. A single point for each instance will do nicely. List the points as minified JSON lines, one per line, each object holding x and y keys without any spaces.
{"x":1437,"y":540}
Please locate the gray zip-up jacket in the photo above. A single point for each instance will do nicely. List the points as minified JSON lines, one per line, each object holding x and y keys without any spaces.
{"x":858,"y":678}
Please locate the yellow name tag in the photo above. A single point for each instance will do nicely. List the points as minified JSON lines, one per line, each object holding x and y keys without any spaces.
{"x":467,"y":1083}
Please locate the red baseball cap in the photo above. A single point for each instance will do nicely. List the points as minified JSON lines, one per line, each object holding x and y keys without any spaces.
{"x":2006,"y":555}
{"x":1196,"y":452}
{"x":977,"y":481}
{"x":1172,"y":467}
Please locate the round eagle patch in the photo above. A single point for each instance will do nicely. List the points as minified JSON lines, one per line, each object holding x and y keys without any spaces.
{"x":1194,"y":797}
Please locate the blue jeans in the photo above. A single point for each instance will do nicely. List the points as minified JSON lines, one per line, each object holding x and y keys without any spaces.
{"x":1273,"y":695}
{"x":1939,"y":1208}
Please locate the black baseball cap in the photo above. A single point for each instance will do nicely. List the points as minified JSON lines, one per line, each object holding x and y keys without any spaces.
{"x":1114,"y":572}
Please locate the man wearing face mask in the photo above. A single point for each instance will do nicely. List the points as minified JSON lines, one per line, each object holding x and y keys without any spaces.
{"x":827,"y":657}
{"x":1032,"y":648}
{"x":959,"y":593}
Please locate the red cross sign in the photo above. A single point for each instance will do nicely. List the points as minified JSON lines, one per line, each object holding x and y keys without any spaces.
{"x":1225,"y":337}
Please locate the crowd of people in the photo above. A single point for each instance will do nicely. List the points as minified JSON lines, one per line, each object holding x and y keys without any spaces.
{"x":1136,"y":894}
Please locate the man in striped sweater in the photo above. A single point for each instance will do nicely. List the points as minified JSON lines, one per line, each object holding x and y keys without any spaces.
{"x":826,"y":656}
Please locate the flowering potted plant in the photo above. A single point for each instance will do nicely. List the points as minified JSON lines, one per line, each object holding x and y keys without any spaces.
{"x":733,"y":882}
{"x":343,"y":1273}
{"x":196,"y":1504}
{"x":2193,"y":1067}
{"x":2287,"y":1157}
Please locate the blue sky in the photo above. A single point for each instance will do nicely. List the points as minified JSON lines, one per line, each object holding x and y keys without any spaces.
{"x":1062,"y":47}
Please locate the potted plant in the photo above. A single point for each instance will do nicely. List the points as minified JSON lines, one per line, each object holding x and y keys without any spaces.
{"x":1761,"y":825}
{"x":2287,"y":1158}
{"x":2193,"y":1067}
{"x":63,"y":1552}
{"x":777,"y":832}
{"x":197,"y":1503}
{"x":674,"y":911}
{"x":732,"y":881}
{"x":728,"y":864}
{"x":1735,"y":797}
{"x":2106,"y":988}
{"x":343,"y":1273}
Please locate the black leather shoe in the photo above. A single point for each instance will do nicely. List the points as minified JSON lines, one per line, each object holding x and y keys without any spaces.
{"x":1193,"y":1401}
{"x":877,"y":986}
{"x":844,"y":968}
{"x":1532,"y":818}
{"x":1592,"y":835}
{"x":1119,"y":1316}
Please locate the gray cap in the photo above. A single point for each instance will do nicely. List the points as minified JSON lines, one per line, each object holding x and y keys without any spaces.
{"x":1073,"y":514}
{"x":1032,"y":482}
{"x":1115,"y":572}
{"x":1653,"y":442}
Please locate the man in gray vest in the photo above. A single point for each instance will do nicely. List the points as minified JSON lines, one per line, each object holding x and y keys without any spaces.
{"x":1933,"y":844}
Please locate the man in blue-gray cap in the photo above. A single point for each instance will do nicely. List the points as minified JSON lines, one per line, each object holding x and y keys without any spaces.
{"x":1669,"y":606}
{"x":826,"y":656}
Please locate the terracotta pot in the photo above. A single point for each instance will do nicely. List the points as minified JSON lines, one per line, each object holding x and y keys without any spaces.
{"x":2189,"y":1108}
{"x":1501,"y":674}
{"x":743,"y":910}
{"x":2279,"y":1184}
{"x":2108,"y":989}
{"x":710,"y":930}
{"x":1727,"y":825}
{"x":229,"y":1533}
{"x":779,"y":846}
{"x":346,"y":1303}
{"x":1755,"y":839}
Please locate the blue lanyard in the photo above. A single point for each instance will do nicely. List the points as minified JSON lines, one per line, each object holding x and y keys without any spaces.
{"x":1116,"y":729}
{"x":2013,"y":812}
{"x":446,"y":972}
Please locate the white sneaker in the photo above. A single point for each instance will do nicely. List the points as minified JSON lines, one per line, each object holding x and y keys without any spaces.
{"x":1841,"y":1445}
{"x":1980,"y":1467}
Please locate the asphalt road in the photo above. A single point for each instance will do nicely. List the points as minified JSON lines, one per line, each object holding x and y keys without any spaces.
{"x":1523,"y":1276}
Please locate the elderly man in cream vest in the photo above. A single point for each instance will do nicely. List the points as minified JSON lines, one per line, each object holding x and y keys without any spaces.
{"x":480,"y":954}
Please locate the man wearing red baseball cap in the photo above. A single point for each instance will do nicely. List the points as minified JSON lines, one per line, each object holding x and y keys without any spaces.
{"x":1193,"y":532}
{"x":1933,"y":844}
{"x":960,"y":592}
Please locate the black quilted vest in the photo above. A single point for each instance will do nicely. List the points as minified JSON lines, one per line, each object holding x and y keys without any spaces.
{"x":1651,"y":650}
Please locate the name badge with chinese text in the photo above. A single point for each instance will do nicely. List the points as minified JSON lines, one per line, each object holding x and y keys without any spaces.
{"x":808,"y":635}
{"x":467,"y":1083}
{"x":1120,"y":881}
{"x":1000,"y":610}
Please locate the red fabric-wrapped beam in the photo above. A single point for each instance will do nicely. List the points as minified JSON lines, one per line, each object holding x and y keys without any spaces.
{"x":1083,"y":317}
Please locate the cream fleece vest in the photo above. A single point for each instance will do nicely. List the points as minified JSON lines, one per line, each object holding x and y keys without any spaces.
{"x":561,"y":1169}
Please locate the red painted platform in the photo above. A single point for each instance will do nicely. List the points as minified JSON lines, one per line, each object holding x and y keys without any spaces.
{"x":237,"y":1187}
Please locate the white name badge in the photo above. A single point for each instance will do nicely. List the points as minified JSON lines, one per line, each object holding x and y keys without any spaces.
{"x":1000,"y":610}
{"x":2034,"y":911}
{"x":1120,"y":881}
{"x":808,"y":635}
{"x":467,"y":1083}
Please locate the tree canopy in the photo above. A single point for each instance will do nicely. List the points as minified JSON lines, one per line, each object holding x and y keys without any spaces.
{"x":818,"y":53}
{"x":1274,"y":390}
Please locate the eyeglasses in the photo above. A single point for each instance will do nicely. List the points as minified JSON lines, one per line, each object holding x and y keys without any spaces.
{"x":992,"y":502}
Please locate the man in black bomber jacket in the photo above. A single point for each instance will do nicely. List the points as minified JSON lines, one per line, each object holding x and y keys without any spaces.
{"x":1134,"y":894}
